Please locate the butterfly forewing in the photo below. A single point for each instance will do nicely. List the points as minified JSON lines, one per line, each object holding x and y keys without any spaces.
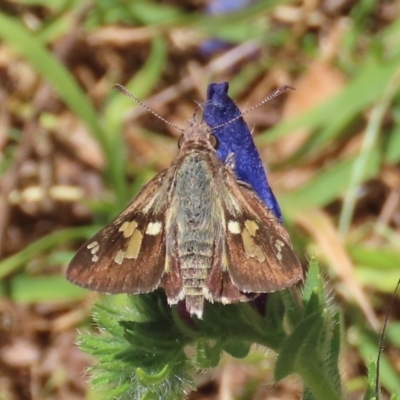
{"x":260,"y":257}
{"x":128,"y":255}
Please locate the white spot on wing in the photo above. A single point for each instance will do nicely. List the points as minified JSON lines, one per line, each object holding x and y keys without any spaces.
{"x":233,"y":227}
{"x":93,"y":247}
{"x":278,"y":245}
{"x":153,"y":228}
{"x":95,"y":250}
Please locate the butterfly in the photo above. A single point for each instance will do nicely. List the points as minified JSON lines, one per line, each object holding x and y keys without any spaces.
{"x":193,"y":230}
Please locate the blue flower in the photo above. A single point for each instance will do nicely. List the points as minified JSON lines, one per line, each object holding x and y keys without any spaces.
{"x":236,"y":138}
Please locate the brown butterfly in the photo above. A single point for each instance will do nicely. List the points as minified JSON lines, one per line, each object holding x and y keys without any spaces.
{"x":193,"y":230}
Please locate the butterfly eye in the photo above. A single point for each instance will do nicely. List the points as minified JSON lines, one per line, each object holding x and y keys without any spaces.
{"x":214,"y":141}
{"x":180,"y":141}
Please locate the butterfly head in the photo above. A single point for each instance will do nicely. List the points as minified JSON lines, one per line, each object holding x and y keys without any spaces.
{"x":198,"y":135}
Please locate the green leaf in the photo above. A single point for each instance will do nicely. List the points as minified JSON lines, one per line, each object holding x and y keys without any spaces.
{"x":150,"y":13}
{"x":291,"y":350}
{"x":381,"y":258}
{"x":29,"y":289}
{"x":393,"y":332}
{"x":313,"y":282}
{"x":371,"y":388}
{"x":208,"y":354}
{"x":236,"y":348}
{"x":326,"y":186}
{"x":155,"y":378}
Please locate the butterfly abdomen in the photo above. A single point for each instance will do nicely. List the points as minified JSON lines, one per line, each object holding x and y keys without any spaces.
{"x":196,"y":228}
{"x":195,"y":262}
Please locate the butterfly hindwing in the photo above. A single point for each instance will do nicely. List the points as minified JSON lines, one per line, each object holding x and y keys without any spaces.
{"x":128,"y":255}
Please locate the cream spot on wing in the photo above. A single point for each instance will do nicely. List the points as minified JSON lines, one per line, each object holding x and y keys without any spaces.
{"x":92,"y":244}
{"x":278,"y":245}
{"x":123,"y":226}
{"x":93,"y":247}
{"x":153,"y":228}
{"x":95,"y":258}
{"x":128,"y":227}
{"x":252,"y":227}
{"x":233,"y":227}
{"x":252,"y":249}
{"x":119,"y":257}
{"x":134,"y":244}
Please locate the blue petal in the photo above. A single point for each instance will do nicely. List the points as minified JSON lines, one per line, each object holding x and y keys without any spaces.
{"x":236,"y":138}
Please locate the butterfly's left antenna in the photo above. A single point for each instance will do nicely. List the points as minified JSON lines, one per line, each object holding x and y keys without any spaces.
{"x":127,"y":93}
{"x":277,"y":92}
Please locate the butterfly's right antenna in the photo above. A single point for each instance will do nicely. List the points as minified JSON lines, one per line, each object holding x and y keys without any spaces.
{"x":127,"y":93}
{"x":277,"y":92}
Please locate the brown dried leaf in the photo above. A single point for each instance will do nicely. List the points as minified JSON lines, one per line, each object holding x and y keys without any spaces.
{"x":318,"y":83}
